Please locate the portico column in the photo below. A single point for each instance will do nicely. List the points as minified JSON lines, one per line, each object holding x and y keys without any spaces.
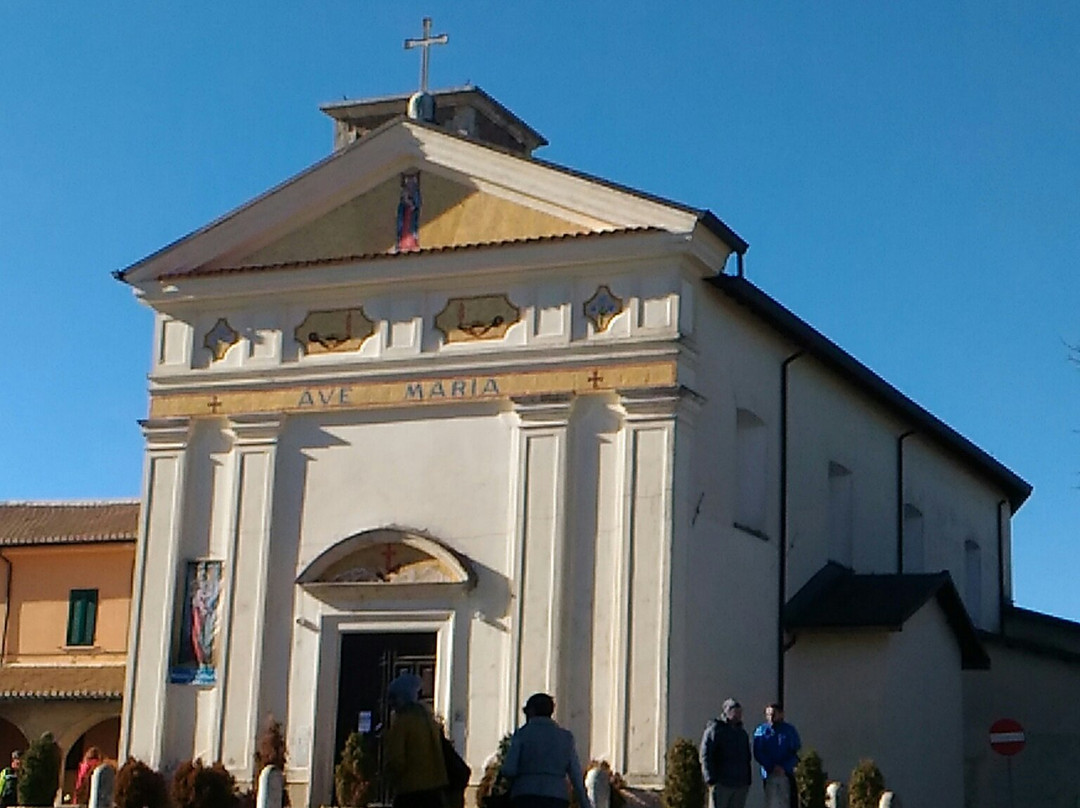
{"x":153,"y":593}
{"x":539,"y":559}
{"x":254,"y":451}
{"x":643,"y":573}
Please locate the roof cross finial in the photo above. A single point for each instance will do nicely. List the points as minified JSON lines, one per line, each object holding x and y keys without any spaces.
{"x":425,"y":42}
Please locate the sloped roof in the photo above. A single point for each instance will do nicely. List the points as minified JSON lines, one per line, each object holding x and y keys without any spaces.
{"x":839,"y":598}
{"x":352,"y":259}
{"x":298,"y":187}
{"x":848,"y":367}
{"x":42,"y":682}
{"x":26,"y":523}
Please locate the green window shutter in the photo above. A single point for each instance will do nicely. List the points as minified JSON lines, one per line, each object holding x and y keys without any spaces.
{"x":82,"y":616}
{"x":90,"y":619}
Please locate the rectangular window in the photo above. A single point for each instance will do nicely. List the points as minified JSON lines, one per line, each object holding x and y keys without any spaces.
{"x":82,"y":616}
{"x":840,"y":515}
{"x":751,"y":444}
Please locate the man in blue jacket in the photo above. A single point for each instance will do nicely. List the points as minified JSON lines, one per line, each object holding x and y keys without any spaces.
{"x":776,"y":749}
{"x":725,"y":758}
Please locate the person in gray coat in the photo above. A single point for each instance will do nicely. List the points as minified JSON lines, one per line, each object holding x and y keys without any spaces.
{"x":541,"y":758}
{"x":725,"y":758}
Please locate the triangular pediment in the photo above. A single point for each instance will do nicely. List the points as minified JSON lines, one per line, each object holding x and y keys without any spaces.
{"x":347,"y":207}
{"x":452,"y":214}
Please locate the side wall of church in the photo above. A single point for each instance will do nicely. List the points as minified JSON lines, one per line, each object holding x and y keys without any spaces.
{"x":842,"y":476}
{"x":960,"y":516}
{"x":725,"y":577}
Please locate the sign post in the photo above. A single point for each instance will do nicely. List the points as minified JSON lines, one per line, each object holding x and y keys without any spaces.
{"x":1007,"y":739}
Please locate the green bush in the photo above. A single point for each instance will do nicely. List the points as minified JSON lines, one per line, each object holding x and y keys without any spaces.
{"x":354,"y":776}
{"x":197,"y":786}
{"x":866,"y":785}
{"x":684,"y":787}
{"x":493,"y":788}
{"x":139,"y":786}
{"x":811,"y":779}
{"x":39,"y":776}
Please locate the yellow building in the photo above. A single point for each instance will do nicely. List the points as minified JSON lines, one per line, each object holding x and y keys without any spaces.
{"x":65,"y":583}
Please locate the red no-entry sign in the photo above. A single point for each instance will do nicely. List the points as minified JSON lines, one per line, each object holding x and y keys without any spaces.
{"x":1006,"y":736}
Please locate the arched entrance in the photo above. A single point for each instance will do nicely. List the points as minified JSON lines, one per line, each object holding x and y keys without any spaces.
{"x":105,"y":736}
{"x":11,"y":739}
{"x":387,"y":602}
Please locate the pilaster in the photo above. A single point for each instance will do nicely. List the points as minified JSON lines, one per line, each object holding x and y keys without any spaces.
{"x":253,"y":457}
{"x":642,"y":629}
{"x":539,"y":562}
{"x":150,"y":632}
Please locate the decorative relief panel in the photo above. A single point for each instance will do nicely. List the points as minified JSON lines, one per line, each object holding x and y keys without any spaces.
{"x":220,"y":338}
{"x":334,"y":331}
{"x":602,"y":308}
{"x":466,"y":319}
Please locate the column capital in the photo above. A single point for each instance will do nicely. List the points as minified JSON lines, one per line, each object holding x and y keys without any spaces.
{"x":166,"y":434}
{"x":659,"y":403}
{"x":550,"y":409}
{"x":255,"y":429}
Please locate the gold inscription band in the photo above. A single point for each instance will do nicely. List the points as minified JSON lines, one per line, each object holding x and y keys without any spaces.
{"x":413,"y":392}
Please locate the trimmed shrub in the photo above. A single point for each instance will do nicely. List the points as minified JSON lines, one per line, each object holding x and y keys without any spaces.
{"x":139,"y":786}
{"x":866,"y":785}
{"x":354,"y":776}
{"x":684,"y":787}
{"x":811,"y":779}
{"x":39,"y":776}
{"x":197,"y":786}
{"x":493,"y":790}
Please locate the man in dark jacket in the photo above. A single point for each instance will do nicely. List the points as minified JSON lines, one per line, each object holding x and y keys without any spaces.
{"x":725,"y":758}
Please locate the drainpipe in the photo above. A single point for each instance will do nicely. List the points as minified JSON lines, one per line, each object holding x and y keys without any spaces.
{"x":7,"y":608}
{"x":1001,"y":568}
{"x":781,"y":599}
{"x":900,"y":500}
{"x":739,"y":264}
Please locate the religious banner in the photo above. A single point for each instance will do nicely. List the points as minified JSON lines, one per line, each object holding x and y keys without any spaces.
{"x":195,"y":653}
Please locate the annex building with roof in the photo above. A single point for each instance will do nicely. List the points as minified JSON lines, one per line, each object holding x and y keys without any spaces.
{"x":66,"y":576}
{"x":435,"y":404}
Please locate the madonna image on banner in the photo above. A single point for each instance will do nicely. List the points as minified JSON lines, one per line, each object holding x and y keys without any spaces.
{"x":195,"y":655}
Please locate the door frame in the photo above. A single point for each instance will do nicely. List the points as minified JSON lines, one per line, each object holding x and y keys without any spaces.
{"x":439,"y":622}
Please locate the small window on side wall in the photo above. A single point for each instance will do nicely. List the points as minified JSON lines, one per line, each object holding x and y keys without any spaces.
{"x":82,"y":616}
{"x":751,"y":444}
{"x":841,"y":506}
{"x":914,"y":541}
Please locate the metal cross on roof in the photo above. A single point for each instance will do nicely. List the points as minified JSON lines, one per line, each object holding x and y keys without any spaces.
{"x":425,"y":42}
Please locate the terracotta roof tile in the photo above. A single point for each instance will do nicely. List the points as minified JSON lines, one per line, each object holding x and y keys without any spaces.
{"x":61,"y":682}
{"x":352,"y":259}
{"x":68,"y":522}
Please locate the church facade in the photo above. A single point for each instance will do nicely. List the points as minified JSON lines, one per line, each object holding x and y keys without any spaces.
{"x":436,"y":405}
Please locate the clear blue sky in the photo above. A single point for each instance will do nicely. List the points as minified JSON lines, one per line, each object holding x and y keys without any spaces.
{"x":907,"y":175}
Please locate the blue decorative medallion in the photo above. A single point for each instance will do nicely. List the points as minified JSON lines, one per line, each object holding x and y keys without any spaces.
{"x":602,"y":308}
